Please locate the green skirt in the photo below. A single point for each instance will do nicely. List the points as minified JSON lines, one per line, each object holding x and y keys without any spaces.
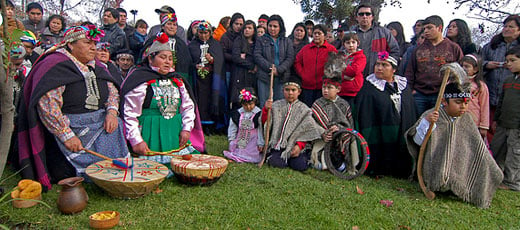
{"x":162,"y":135}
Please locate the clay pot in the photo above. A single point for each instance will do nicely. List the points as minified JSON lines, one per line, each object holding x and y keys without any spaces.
{"x":73,"y":197}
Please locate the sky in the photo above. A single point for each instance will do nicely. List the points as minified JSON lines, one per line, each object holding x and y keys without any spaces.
{"x":213,"y":10}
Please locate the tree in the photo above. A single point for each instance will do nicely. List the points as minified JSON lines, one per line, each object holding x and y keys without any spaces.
{"x":494,"y":11}
{"x":331,"y":12}
{"x":78,"y":10}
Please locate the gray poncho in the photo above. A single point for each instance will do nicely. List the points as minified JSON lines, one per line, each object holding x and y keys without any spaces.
{"x":292,"y":123}
{"x":457,"y":159}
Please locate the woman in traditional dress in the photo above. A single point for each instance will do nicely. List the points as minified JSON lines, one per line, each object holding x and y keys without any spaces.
{"x":181,"y":58}
{"x":158,"y":111}
{"x":385,"y":109}
{"x":69,"y":103}
{"x":210,"y":89}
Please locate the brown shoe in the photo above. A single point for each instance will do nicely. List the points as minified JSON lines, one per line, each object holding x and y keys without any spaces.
{"x":503,"y":186}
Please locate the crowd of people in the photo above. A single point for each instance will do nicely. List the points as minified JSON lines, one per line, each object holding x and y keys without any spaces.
{"x":157,"y":91}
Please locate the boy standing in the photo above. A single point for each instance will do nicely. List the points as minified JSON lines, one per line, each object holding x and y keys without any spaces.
{"x":426,"y":61}
{"x":456,"y":157}
{"x":291,"y":127}
{"x":506,"y":142}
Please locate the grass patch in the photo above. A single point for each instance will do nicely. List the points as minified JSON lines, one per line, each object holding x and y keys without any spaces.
{"x":270,"y":198}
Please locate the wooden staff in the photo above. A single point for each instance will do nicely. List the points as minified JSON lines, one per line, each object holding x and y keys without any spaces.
{"x":429,"y":194}
{"x":268,"y":122}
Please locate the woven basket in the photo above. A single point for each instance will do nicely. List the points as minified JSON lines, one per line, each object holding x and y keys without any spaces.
{"x":201,"y":169}
{"x":130,"y":183}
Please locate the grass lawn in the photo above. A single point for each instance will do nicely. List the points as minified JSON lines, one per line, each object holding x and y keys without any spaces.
{"x":268,"y":198}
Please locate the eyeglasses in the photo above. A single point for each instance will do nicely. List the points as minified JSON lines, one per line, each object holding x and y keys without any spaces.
{"x":361,"y":14}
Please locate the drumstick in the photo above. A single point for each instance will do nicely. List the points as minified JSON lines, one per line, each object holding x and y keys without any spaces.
{"x":115,"y":162}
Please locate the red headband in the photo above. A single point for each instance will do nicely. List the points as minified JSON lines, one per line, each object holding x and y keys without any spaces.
{"x":329,"y":81}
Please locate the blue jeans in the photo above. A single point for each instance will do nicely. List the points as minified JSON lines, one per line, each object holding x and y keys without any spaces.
{"x":424,"y":102}
{"x":263,"y":91}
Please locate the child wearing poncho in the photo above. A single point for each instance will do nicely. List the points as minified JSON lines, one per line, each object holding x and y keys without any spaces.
{"x":292,"y":127}
{"x":456,"y":157}
{"x":245,"y":132}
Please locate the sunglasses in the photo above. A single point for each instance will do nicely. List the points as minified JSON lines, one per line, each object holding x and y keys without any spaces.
{"x":364,"y":14}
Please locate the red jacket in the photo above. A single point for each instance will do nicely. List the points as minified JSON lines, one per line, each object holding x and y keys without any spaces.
{"x":310,"y":62}
{"x":355,"y":65}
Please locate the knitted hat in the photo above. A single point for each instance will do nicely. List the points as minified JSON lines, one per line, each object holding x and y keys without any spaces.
{"x":204,"y":26}
{"x":76,"y":33}
{"x":29,"y":37}
{"x":17,"y":51}
{"x":333,"y":69}
{"x":159,"y":44}
{"x":385,"y":56}
{"x":167,"y":18}
{"x":103,"y":46}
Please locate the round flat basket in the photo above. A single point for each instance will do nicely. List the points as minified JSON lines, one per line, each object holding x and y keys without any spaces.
{"x":135,"y":182}
{"x":201,"y":169}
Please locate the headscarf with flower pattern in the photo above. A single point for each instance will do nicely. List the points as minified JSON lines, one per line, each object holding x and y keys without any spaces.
{"x":75,"y":33}
{"x":385,"y":56}
{"x":167,"y":18}
{"x":204,"y":26}
{"x":103,"y":46}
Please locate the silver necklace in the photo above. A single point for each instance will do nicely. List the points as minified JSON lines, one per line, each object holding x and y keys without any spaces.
{"x":92,"y":100}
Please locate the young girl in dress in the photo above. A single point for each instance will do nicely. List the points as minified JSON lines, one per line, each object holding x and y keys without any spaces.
{"x":245,"y":133}
{"x":479,"y":103}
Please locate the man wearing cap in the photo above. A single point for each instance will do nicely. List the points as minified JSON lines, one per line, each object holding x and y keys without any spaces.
{"x":35,"y":22}
{"x":340,"y":33}
{"x":373,"y":38}
{"x":113,"y":34}
{"x":164,"y":10}
{"x":456,"y":157}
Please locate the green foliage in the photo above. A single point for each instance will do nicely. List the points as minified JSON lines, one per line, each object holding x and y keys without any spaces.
{"x":327,"y":12}
{"x":247,"y":197}
{"x":10,"y":41}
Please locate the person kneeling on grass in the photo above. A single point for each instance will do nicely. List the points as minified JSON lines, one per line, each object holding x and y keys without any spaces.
{"x":291,"y":127}
{"x":456,"y":157}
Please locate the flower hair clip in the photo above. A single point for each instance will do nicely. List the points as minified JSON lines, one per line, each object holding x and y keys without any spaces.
{"x":246,"y":95}
{"x":383,"y":55}
{"x":94,"y":34}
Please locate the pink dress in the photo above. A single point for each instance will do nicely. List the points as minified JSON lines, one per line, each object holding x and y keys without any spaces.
{"x":245,"y":138}
{"x":479,"y":105}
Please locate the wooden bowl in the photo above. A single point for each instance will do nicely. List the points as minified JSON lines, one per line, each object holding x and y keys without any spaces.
{"x":130,"y":183}
{"x":201,"y":169}
{"x":26,"y":203}
{"x":106,"y":223}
